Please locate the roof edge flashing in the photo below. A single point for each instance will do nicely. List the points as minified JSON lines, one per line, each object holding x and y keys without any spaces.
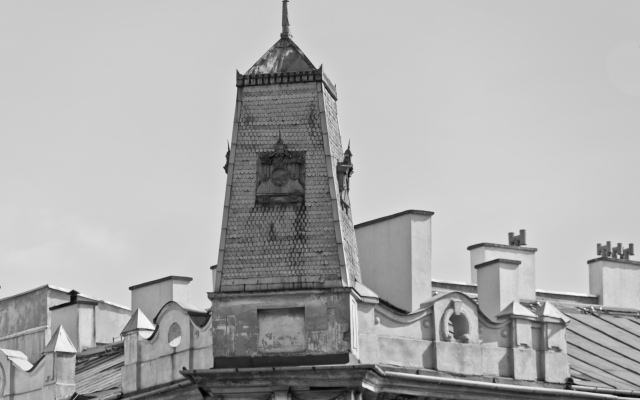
{"x":166,"y":278}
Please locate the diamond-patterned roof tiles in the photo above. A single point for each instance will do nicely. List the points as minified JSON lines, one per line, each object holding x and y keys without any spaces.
{"x":287,"y":240}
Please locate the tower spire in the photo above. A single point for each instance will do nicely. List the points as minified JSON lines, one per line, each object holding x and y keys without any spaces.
{"x":286,"y":34}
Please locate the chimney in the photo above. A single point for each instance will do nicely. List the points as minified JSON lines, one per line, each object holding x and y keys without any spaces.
{"x":497,"y":285}
{"x":614,"y":278}
{"x":78,"y":317}
{"x":395,"y":257}
{"x":515,"y":250}
{"x":151,"y":296}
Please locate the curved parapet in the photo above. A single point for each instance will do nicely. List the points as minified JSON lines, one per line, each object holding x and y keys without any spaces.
{"x":181,"y":339}
{"x":450,"y":333}
{"x":53,"y":375}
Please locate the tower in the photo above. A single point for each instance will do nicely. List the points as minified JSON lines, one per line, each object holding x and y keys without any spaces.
{"x":288,"y":254}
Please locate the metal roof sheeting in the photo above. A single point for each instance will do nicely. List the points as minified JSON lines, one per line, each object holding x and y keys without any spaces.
{"x":100,"y":371}
{"x":604,"y":348}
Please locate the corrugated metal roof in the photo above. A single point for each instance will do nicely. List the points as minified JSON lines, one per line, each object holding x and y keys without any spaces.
{"x":603,"y":347}
{"x":99,"y":371}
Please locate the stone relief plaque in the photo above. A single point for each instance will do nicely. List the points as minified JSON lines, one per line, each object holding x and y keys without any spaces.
{"x":280,"y":176}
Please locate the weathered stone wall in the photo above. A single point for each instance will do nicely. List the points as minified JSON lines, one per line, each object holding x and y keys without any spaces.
{"x":24,"y":311}
{"x":25,"y":322}
{"x":250,"y":330}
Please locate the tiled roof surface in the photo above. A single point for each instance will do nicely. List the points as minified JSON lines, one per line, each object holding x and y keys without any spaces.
{"x":98,"y":370}
{"x":280,"y":241}
{"x":348,"y":232}
{"x":603,"y":347}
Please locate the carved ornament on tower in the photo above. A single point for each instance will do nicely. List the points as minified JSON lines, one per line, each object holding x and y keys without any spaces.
{"x":344,"y":170}
{"x":280,"y":176}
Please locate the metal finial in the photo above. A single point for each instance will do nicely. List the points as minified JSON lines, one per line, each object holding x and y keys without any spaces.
{"x":286,"y":33}
{"x":347,"y":152}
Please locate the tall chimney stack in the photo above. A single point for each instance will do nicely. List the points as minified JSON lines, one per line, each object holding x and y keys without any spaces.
{"x":497,"y":285}
{"x":614,"y":278}
{"x":395,"y":254}
{"x":151,"y":296}
{"x":515,"y":250}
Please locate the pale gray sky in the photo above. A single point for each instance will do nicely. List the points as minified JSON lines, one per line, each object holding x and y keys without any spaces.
{"x":496,"y":115}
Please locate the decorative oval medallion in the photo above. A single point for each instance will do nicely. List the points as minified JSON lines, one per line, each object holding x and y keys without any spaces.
{"x":280,"y":177}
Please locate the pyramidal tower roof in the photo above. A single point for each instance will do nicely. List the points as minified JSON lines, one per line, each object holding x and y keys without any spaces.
{"x":287,"y":220}
{"x":285,"y":55}
{"x":138,"y":322}
{"x":60,"y":343}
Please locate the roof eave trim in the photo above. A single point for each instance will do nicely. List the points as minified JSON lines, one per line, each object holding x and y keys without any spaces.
{"x":316,"y":75}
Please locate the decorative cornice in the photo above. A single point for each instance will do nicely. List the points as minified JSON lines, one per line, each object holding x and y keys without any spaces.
{"x":287,"y":77}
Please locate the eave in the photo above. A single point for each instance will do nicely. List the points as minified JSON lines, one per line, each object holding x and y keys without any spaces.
{"x":369,"y":380}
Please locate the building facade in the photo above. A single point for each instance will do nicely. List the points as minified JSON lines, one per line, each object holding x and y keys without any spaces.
{"x":305,"y":305}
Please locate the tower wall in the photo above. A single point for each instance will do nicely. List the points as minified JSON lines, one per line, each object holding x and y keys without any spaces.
{"x":285,"y":244}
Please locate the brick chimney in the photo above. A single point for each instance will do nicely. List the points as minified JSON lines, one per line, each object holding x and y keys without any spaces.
{"x":614,"y":278}
{"x":395,"y":257}
{"x":515,"y":250}
{"x":151,"y":296}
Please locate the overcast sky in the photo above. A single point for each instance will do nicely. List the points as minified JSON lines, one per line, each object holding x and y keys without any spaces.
{"x":496,"y":115}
